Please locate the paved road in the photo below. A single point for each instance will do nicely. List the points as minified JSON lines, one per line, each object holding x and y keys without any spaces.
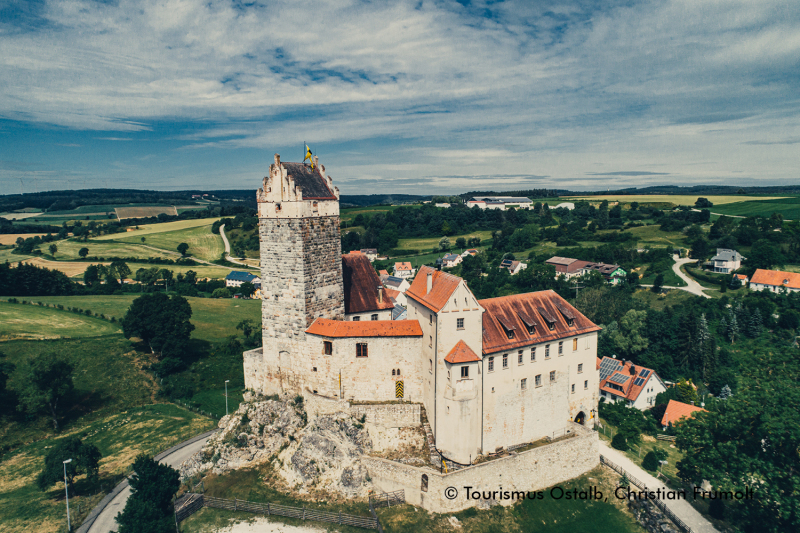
{"x":682,"y":508}
{"x":228,"y":249}
{"x":105,"y":522}
{"x":692,"y":285}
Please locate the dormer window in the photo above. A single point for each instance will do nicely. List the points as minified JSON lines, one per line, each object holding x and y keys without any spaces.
{"x":508,"y":327}
{"x":567,"y":313}
{"x":548,"y":318}
{"x":528,"y":321}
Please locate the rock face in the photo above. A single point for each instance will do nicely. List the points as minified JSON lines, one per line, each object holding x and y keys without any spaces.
{"x":320,"y":454}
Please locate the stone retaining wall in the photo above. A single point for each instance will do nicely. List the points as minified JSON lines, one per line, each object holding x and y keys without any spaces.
{"x":388,"y":415}
{"x":530,"y":470}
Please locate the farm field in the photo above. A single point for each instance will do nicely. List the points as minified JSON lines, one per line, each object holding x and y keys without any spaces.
{"x":788,"y":207}
{"x":148,"y":229}
{"x":34,"y":322}
{"x":68,"y":249}
{"x":677,"y":199}
{"x":653,"y":236}
{"x":11,"y":238}
{"x":214,"y":319}
{"x":202,"y":243}
{"x":137,"y":211}
{"x":75,"y":269}
{"x":428,"y":243}
{"x":70,"y":268}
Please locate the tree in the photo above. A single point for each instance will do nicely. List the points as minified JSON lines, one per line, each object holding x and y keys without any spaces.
{"x":162,"y":322}
{"x":221,"y":293}
{"x":183,"y":248}
{"x":85,"y":460}
{"x":143,"y":239}
{"x":247,"y":289}
{"x":190,"y":277}
{"x":650,"y":462}
{"x":83,"y":252}
{"x":149,"y":507}
{"x":444,"y":244}
{"x":658,"y":283}
{"x":45,"y":382}
{"x":53,"y":249}
{"x":120,"y":270}
{"x":91,"y":275}
{"x":166,"y":275}
{"x":765,"y":255}
{"x":618,"y":442}
{"x":461,"y":243}
{"x":703,"y":203}
{"x":725,"y":393}
{"x":474,"y":242}
{"x":627,"y":335}
{"x":6,"y":369}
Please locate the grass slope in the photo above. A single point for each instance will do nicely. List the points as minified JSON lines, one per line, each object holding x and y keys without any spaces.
{"x":676,"y":199}
{"x":33,"y":322}
{"x":788,"y":207}
{"x":68,"y":250}
{"x":202,"y":243}
{"x":149,"y":229}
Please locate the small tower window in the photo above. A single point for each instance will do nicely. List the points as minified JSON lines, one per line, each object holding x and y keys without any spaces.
{"x":459,"y":323}
{"x":361,"y":349}
{"x":327,"y":347}
{"x":464,"y":372}
{"x":491,"y":364}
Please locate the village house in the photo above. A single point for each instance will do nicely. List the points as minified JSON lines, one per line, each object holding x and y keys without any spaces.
{"x":235,"y":278}
{"x":622,"y":381}
{"x":775,"y":281}
{"x":490,"y":374}
{"x":514,"y":267}
{"x":613,"y":274}
{"x":500,"y":202}
{"x":472,"y":251}
{"x":726,"y":260}
{"x":678,"y":410}
{"x":741,"y":278}
{"x":403,"y":270}
{"x":451,"y":260}
{"x":567,"y":267}
{"x":371,"y":253}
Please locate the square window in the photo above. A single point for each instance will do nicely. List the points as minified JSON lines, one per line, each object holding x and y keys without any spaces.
{"x":547,"y":351}
{"x":560,"y":347}
{"x":510,"y":333}
{"x":374,"y":317}
{"x":580,"y":368}
{"x":538,"y":380}
{"x":523,"y":383}
{"x":460,"y":323}
{"x":505,"y":360}
{"x":361,"y":349}
{"x":464,"y":372}
{"x":552,"y":376}
{"x":491,"y":364}
{"x":519,"y":357}
{"x":327,"y":347}
{"x":574,"y":344}
{"x":356,"y":318}
{"x":533,"y":355}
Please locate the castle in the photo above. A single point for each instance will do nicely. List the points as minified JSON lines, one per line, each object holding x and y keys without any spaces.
{"x":490,"y":373}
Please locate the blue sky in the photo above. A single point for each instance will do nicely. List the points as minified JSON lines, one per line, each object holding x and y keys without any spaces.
{"x":403,"y":97}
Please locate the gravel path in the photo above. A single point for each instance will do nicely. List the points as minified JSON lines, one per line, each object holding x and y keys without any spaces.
{"x":682,"y":508}
{"x":228,"y":249}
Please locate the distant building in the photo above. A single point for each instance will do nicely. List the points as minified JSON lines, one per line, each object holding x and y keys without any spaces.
{"x":514,"y":267}
{"x":471,"y":251}
{"x":622,"y":381}
{"x":383,"y":272}
{"x":445,"y":205}
{"x":236,"y":277}
{"x":567,"y":267}
{"x":566,"y":205}
{"x":451,"y":260}
{"x":371,"y":253}
{"x":403,"y":270}
{"x":613,"y":274}
{"x":677,"y":411}
{"x":399,"y":312}
{"x":500,"y":202}
{"x":726,"y":260}
{"x":775,"y":281}
{"x":743,"y":279}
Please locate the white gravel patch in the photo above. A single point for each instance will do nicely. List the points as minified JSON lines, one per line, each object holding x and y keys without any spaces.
{"x":262,"y":525}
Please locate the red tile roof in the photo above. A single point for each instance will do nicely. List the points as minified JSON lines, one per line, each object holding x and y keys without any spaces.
{"x":361,"y":285}
{"x":403,"y":266}
{"x":677,"y":410}
{"x":383,"y":272}
{"x":461,"y":353}
{"x":630,"y":391}
{"x":443,"y":285}
{"x":740,"y":276}
{"x":366,"y":328}
{"x":539,"y":307}
{"x":393,"y":293}
{"x":776,"y":278}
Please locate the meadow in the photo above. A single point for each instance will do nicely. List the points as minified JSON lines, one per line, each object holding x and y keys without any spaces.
{"x":68,"y":250}
{"x":202,"y":243}
{"x":35,"y":322}
{"x":788,"y":207}
{"x":676,"y":199}
{"x":148,"y":229}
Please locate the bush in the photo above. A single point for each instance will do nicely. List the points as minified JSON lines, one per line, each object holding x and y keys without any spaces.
{"x":619,"y":443}
{"x":650,"y":462}
{"x":221,"y":293}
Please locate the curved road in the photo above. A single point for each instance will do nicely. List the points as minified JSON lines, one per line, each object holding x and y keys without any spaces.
{"x":682,"y":508}
{"x":105,"y":522}
{"x":228,"y":249}
{"x":692,"y":285}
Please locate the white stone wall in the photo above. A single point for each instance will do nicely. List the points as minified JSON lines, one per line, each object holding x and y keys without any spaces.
{"x":383,"y":314}
{"x":388,"y":415}
{"x":531,"y":470}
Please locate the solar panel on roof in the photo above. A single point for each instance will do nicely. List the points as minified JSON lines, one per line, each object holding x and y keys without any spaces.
{"x":619,"y":378}
{"x":645,"y":373}
{"x":638,"y":382}
{"x":607,"y":366}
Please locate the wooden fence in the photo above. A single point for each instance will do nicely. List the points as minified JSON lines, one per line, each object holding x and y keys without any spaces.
{"x":664,"y":509}
{"x":388,"y":499}
{"x":666,"y":437}
{"x":197,"y":501}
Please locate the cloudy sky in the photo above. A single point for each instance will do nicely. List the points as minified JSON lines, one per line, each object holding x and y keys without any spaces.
{"x":405,"y":97}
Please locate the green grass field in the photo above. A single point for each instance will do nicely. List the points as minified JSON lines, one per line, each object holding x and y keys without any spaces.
{"x":68,"y":250}
{"x":148,"y":229}
{"x":429,"y":243}
{"x":788,"y":207}
{"x":202,"y":243}
{"x":214,"y":319}
{"x":654,"y":237}
{"x":676,"y":199}
{"x":18,"y":321}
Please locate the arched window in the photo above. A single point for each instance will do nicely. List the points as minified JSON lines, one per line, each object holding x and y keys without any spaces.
{"x":393,"y":371}
{"x":398,"y":371}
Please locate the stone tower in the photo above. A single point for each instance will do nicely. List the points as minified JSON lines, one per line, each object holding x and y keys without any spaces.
{"x":301,"y":254}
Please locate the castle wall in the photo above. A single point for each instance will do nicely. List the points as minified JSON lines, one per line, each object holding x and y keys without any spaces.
{"x":530,"y":470}
{"x":388,"y":415}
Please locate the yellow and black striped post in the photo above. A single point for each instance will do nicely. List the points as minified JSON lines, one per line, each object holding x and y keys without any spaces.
{"x":398,"y":389}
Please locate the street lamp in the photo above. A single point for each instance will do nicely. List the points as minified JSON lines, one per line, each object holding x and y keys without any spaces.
{"x":226,"y":397}
{"x":66,"y":488}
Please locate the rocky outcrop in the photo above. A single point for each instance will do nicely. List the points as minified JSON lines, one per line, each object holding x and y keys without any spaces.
{"x":650,"y":517}
{"x":319,"y":454}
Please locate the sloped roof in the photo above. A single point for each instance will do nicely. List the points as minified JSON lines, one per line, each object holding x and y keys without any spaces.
{"x":461,"y":353}
{"x":392,"y":281}
{"x":631,"y":378}
{"x":740,"y":276}
{"x":403,"y":266}
{"x":315,"y":186}
{"x":238,"y":275}
{"x":532,"y":305}
{"x":677,"y":410}
{"x":443,"y":285}
{"x":399,"y":313}
{"x":776,"y":278}
{"x":557,"y":260}
{"x":365,"y":328}
{"x":724,"y":254}
{"x":383,"y":272}
{"x":361,"y":285}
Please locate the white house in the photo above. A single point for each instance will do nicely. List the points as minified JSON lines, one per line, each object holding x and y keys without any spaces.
{"x":726,"y":260}
{"x":514,"y":267}
{"x":451,"y":260}
{"x":403,"y":270}
{"x":775,"y":281}
{"x":371,"y":253}
{"x":622,"y":381}
{"x":566,"y":205}
{"x":236,"y":277}
{"x":445,"y":205}
{"x":500,"y":202}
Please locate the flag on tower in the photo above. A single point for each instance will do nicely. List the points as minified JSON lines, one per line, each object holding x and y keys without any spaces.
{"x":308,"y":157}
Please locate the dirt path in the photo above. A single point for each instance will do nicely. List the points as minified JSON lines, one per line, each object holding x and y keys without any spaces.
{"x":228,"y":249}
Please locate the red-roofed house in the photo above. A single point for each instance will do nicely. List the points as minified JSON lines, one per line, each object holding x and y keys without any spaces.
{"x":678,"y":410}
{"x":403,"y":270}
{"x":775,"y":281}
{"x":623,"y":381}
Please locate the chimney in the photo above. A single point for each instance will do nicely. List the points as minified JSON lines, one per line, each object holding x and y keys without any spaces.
{"x":633,"y":370}
{"x":380,"y":294}
{"x":277,"y":160}
{"x":429,"y":285}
